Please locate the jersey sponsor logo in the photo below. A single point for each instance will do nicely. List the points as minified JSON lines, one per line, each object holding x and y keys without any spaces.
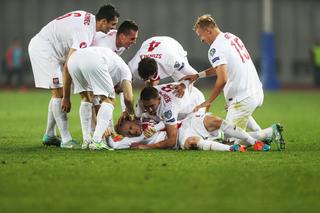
{"x":55,"y":81}
{"x":86,"y":20}
{"x":212,"y":52}
{"x":83,"y":45}
{"x":215,"y":59}
{"x":168,"y":114}
{"x":158,"y":56}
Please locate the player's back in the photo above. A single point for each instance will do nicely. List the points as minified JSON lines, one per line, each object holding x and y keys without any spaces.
{"x":64,"y":31}
{"x":165,"y":50}
{"x":242,"y":75}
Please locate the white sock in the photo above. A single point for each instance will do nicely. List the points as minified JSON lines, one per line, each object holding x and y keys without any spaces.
{"x":61,"y":119}
{"x":51,"y":122}
{"x":104,"y":118}
{"x":85,"y":112}
{"x":212,"y":145}
{"x":123,"y":105}
{"x":233,"y":131}
{"x":262,"y":134}
{"x":253,"y":125}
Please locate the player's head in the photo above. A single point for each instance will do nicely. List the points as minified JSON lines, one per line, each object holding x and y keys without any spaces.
{"x":150,"y":99}
{"x":147,"y":68}
{"x":206,"y":28}
{"x":107,"y":18}
{"x":127,"y":34}
{"x":128,"y":128}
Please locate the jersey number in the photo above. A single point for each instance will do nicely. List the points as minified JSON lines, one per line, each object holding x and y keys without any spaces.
{"x":240,"y":48}
{"x":68,"y":15}
{"x":153,"y":45}
{"x":167,"y":88}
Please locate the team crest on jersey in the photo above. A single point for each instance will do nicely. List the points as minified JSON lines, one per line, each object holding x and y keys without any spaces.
{"x":168,"y":114}
{"x":83,"y":45}
{"x":55,"y":81}
{"x":212,"y":52}
{"x":176,"y":65}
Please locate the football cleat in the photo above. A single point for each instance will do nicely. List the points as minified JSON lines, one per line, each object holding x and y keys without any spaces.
{"x":277,"y":136}
{"x":260,"y":146}
{"x":51,"y":140}
{"x":85,"y":144}
{"x":72,"y":144}
{"x":237,"y":148}
{"x":99,"y":146}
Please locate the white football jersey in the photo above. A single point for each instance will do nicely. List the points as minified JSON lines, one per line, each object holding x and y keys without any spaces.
{"x":243,"y":79}
{"x":169,"y":54}
{"x":108,"y":40}
{"x":172,"y":108}
{"x":117,"y":68}
{"x":72,"y":30}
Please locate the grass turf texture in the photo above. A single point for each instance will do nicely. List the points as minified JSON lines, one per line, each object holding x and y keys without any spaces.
{"x":34,"y":178}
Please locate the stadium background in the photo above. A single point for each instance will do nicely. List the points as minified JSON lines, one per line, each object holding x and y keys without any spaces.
{"x":296,"y":27}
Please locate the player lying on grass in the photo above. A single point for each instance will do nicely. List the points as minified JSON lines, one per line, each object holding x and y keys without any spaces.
{"x":202,"y":132}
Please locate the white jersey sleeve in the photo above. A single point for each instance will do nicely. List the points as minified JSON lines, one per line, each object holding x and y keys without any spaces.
{"x":108,"y":40}
{"x":216,"y":56}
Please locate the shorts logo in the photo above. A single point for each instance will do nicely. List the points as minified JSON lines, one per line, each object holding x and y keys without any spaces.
{"x":168,"y":114}
{"x":55,"y":81}
{"x":83,"y":45}
{"x":212,"y":52}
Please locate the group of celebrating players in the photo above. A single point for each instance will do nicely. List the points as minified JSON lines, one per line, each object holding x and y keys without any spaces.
{"x":83,"y":50}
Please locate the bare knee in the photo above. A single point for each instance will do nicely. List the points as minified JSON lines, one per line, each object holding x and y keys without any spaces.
{"x":57,"y":93}
{"x":191,"y":142}
{"x":212,"y":123}
{"x":86,"y":96}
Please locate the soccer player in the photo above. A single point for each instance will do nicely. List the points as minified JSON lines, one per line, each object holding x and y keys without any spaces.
{"x":160,"y":57}
{"x":202,"y":132}
{"x":235,"y":71}
{"x":49,"y":51}
{"x":118,"y":40}
{"x":98,"y":69}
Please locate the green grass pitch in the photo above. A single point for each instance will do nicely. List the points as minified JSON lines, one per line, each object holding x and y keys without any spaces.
{"x":34,"y":178}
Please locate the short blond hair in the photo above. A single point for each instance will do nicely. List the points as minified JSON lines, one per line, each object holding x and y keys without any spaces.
{"x":205,"y":21}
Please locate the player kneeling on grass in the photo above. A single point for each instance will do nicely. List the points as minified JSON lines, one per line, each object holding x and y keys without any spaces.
{"x":98,"y":69}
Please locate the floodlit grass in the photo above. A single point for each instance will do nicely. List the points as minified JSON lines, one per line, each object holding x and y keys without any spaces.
{"x":34,"y":178}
